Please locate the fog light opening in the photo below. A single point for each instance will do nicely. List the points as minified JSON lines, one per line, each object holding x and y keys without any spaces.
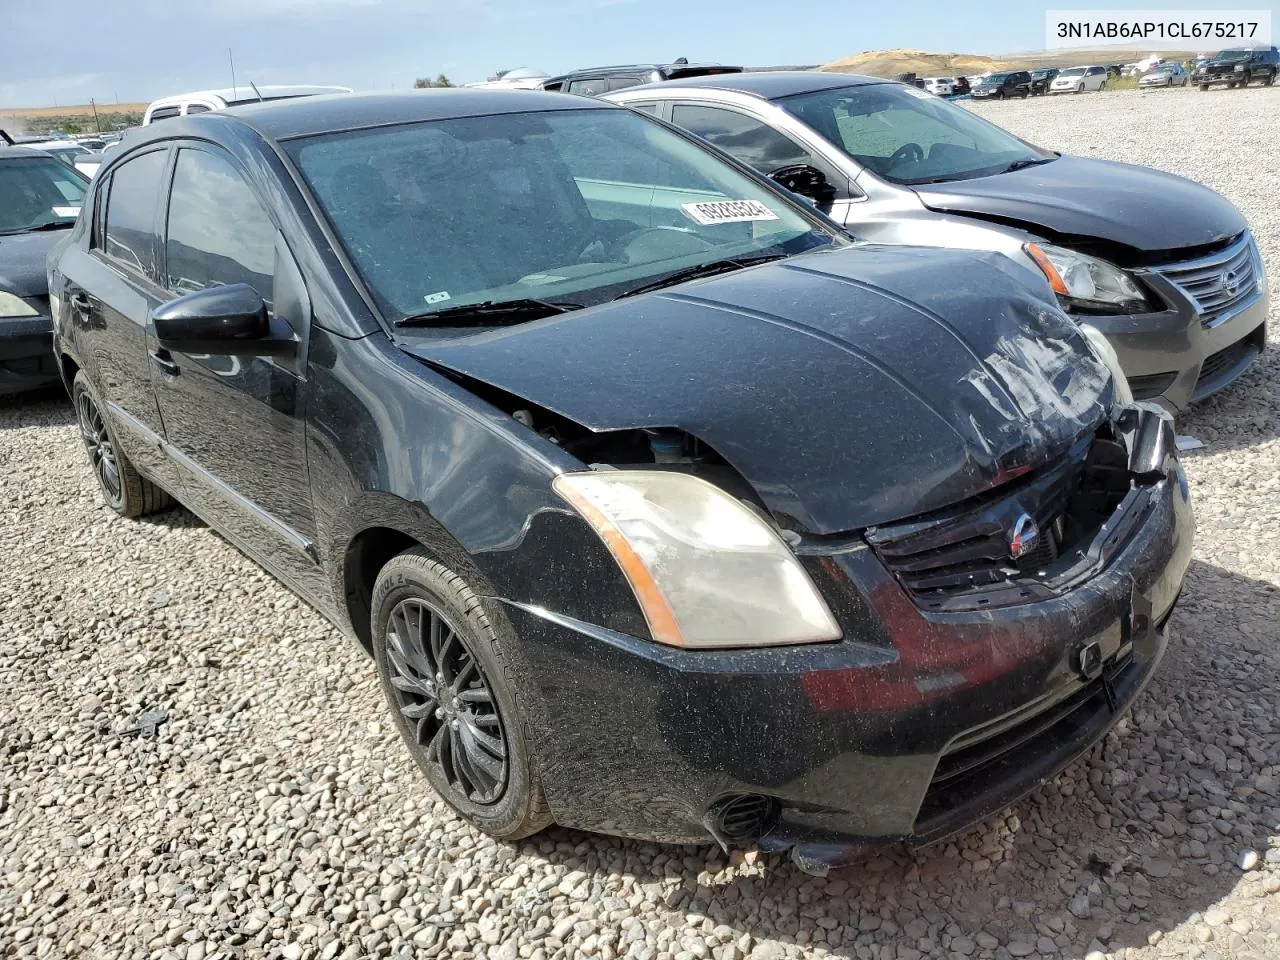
{"x":741,"y":818}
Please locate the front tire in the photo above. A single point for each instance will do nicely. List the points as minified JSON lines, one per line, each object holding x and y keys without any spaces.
{"x":449,"y":682}
{"x":123,"y":488}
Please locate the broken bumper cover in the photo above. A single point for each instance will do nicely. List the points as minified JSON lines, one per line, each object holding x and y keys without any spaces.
{"x":913,"y":726}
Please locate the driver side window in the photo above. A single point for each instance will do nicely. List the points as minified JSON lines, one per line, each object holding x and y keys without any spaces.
{"x":752,"y":141}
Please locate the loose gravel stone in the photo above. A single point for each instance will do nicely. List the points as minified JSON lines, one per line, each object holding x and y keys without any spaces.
{"x":276,"y":814}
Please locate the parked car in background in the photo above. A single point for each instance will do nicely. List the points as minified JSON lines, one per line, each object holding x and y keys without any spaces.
{"x":1175,"y":281}
{"x":962,"y":87}
{"x":67,"y":151}
{"x":1040,"y":80}
{"x":522,"y":78}
{"x":596,"y":81}
{"x":1238,"y":68}
{"x":40,"y":198}
{"x":1166,"y":75}
{"x":1079,"y":80}
{"x":939,"y":86}
{"x":205,"y":101}
{"x":663,"y":508}
{"x":1003,"y":86}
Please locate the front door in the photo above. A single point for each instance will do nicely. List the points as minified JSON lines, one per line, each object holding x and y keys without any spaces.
{"x":235,"y":425}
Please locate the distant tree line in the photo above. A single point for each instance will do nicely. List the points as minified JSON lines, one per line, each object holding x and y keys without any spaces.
{"x":440,"y":81}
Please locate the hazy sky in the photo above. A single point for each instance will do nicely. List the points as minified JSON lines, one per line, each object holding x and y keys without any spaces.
{"x":67,"y":51}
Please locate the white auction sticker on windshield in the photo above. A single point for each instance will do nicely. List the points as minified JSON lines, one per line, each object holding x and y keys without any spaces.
{"x":66,"y":211}
{"x":727,"y":211}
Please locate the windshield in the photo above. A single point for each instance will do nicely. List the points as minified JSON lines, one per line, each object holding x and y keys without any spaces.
{"x":1233,"y":55}
{"x":37,"y":193}
{"x":569,"y":207}
{"x":997,"y":77}
{"x":908,"y":136}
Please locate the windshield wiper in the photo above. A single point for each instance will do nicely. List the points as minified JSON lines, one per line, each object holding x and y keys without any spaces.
{"x":702,"y":270}
{"x":488,"y":313}
{"x":1023,"y":164}
{"x":52,"y":225}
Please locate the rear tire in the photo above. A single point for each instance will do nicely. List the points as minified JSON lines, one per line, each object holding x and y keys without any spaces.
{"x":1271,"y":79}
{"x":123,"y":488}
{"x":451,"y":688}
{"x":1204,"y":88}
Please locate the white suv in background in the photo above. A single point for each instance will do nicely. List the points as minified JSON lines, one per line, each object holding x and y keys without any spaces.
{"x":942,"y":86}
{"x":202,"y":101}
{"x":1079,"y":79}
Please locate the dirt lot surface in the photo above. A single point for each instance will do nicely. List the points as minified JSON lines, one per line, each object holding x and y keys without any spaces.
{"x":274,"y":813}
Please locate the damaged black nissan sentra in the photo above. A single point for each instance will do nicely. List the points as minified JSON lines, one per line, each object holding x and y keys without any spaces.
{"x":664,"y":509}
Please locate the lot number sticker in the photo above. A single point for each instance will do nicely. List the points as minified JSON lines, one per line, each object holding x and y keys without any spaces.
{"x":727,"y":211}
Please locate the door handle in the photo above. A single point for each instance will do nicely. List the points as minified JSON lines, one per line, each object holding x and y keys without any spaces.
{"x":164,"y":362}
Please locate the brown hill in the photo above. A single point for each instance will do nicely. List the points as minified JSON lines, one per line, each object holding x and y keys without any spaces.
{"x":891,"y":63}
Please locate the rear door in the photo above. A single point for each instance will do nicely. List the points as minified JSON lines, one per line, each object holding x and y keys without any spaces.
{"x":235,"y":424}
{"x":110,"y":290}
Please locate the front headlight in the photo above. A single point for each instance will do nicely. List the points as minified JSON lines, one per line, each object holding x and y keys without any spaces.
{"x":1086,"y":282}
{"x":12,"y":305}
{"x":1107,"y":354}
{"x":706,"y":570}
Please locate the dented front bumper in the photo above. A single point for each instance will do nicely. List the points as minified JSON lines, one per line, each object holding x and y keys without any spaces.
{"x":914,"y":725}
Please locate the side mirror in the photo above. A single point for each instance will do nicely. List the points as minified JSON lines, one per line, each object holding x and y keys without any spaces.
{"x":229,"y":320}
{"x":806,"y":181}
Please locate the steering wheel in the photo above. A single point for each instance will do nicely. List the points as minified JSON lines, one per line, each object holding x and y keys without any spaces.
{"x":908,"y":151}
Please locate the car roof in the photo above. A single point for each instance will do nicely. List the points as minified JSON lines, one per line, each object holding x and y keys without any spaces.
{"x":20,"y":152}
{"x":239,"y":93}
{"x":768,"y":84}
{"x":310,"y":116}
{"x":665,"y":67}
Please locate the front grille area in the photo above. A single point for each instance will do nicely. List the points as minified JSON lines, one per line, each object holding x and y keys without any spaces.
{"x":1220,"y":283}
{"x":1152,"y":385}
{"x":965,"y":558}
{"x":994,"y":759}
{"x":1216,"y":364}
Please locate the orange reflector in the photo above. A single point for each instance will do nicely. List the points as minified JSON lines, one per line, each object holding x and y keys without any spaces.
{"x":1046,"y":265}
{"x":653,"y":603}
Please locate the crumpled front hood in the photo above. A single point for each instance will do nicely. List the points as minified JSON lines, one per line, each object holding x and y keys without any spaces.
{"x":849,"y":387}
{"x":22,"y":257}
{"x":1139,"y":207}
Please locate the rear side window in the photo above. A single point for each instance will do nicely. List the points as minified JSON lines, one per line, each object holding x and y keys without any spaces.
{"x":218,"y":232}
{"x":751,"y":141}
{"x":164,"y":113}
{"x":130,"y":224}
{"x":196,"y":108}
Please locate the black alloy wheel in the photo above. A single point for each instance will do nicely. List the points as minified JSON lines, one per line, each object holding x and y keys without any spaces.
{"x":451,"y":679}
{"x":443,"y":691}
{"x":101,"y":449}
{"x":124,"y":489}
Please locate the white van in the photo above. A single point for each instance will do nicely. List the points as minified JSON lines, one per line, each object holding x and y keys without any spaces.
{"x":202,"y":101}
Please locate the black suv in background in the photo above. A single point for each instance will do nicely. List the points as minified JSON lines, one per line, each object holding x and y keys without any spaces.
{"x":1238,"y":68}
{"x":594,"y":81}
{"x":1040,"y":80}
{"x":1001,"y":86}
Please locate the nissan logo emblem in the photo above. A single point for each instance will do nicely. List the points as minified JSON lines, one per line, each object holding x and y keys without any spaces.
{"x":1230,"y":282}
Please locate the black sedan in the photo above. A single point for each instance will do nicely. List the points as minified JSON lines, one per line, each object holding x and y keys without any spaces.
{"x":39,"y":201}
{"x":663,"y":508}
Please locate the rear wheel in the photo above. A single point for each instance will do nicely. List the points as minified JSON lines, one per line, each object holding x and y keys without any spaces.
{"x":1271,"y":78}
{"x":1204,"y":88}
{"x":450,"y":686}
{"x":124,"y":490}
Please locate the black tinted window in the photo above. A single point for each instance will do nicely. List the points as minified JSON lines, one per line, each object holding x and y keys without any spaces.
{"x":751,"y":141}
{"x":163,"y":113}
{"x":218,"y":232}
{"x":131,"y":211}
{"x":649,"y":108}
{"x":196,"y":108}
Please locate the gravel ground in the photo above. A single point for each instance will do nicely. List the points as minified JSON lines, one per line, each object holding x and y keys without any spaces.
{"x":274,"y":813}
